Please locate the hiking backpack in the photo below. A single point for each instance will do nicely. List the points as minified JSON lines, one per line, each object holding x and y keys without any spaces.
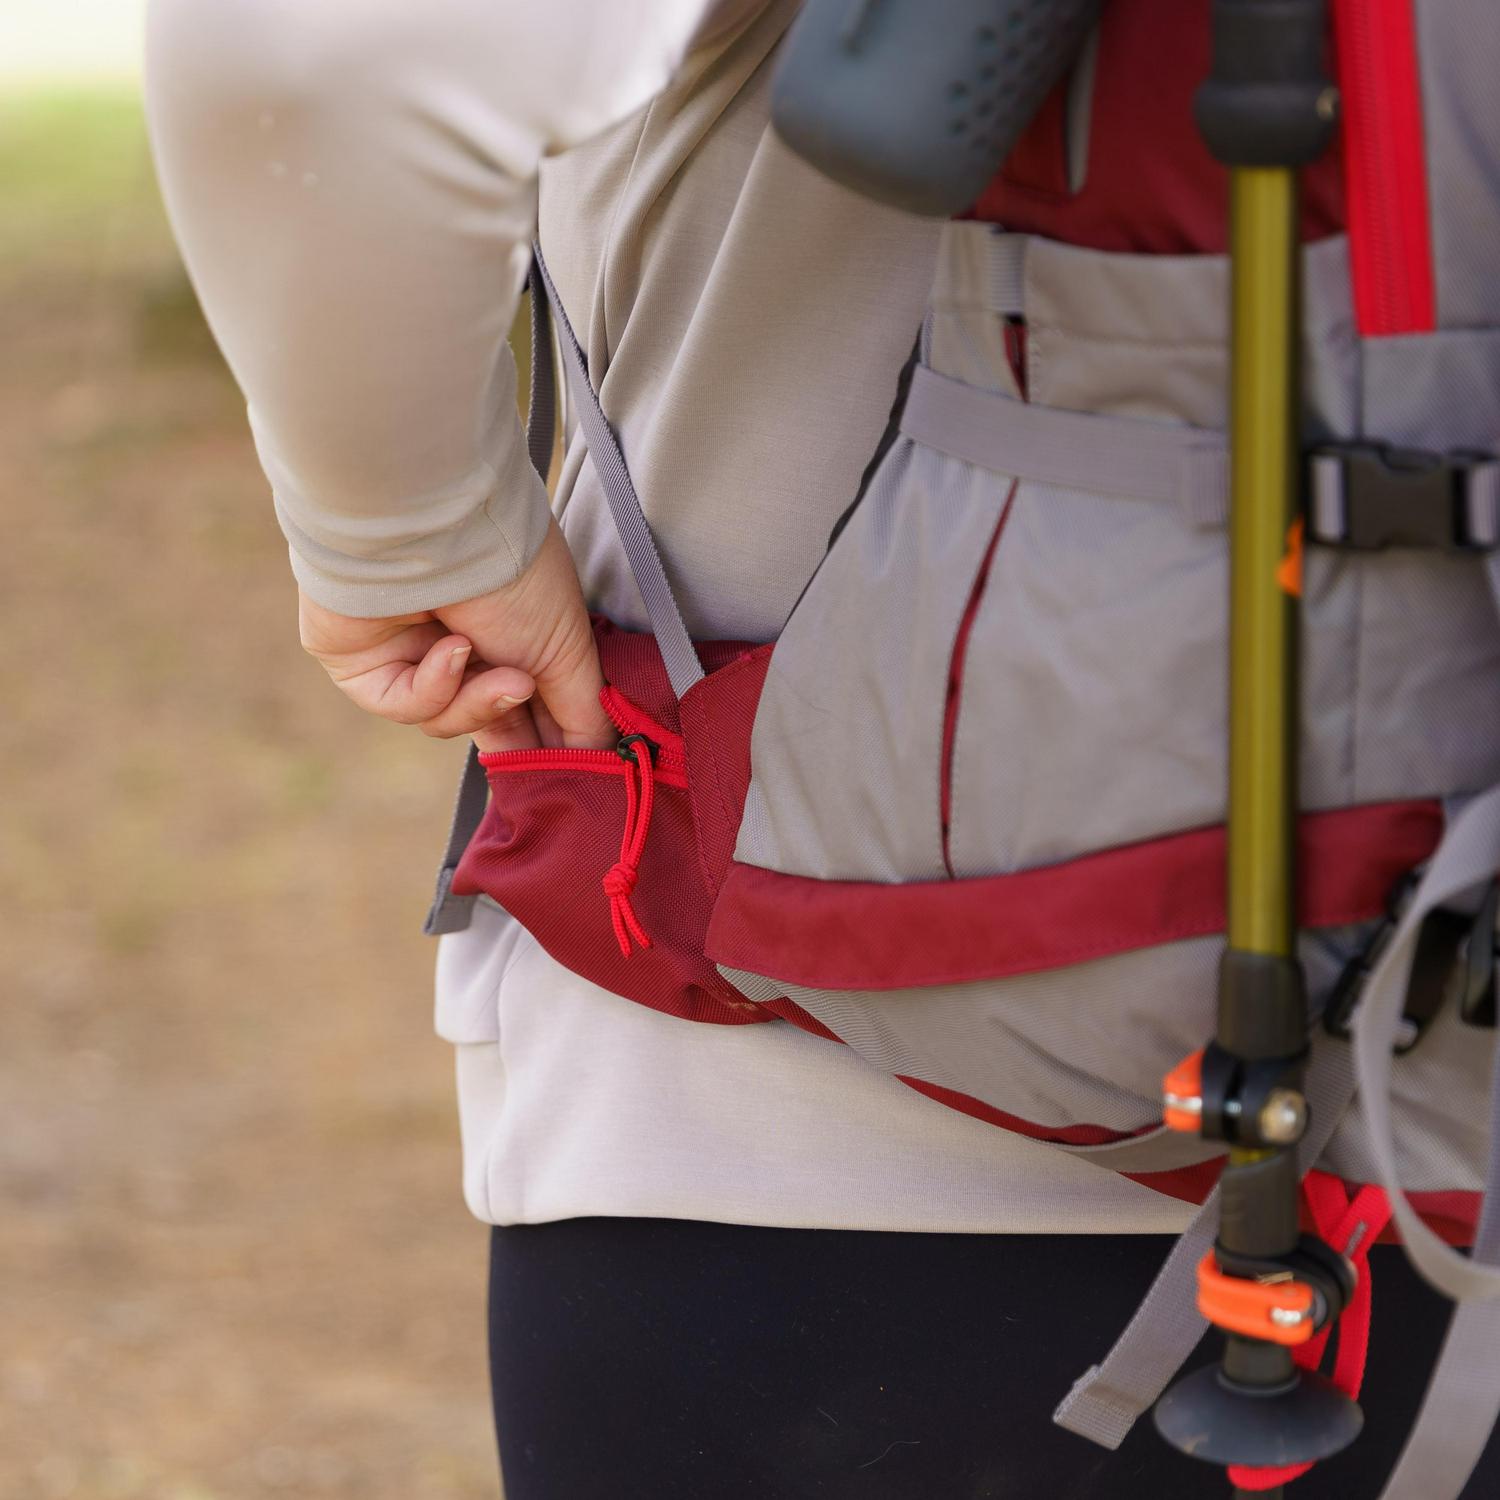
{"x":965,"y":815}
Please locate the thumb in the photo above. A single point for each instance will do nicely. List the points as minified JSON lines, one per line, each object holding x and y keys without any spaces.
{"x":566,"y":707}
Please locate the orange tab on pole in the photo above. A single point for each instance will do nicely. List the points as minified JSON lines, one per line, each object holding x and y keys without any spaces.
{"x":1289,"y":569}
{"x":1182,"y":1095}
{"x":1278,"y":1312}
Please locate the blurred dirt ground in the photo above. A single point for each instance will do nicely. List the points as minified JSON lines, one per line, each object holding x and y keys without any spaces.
{"x":233,"y":1257}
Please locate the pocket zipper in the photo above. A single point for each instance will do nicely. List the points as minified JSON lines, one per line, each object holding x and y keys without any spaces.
{"x":643,"y":760}
{"x":668,"y":756}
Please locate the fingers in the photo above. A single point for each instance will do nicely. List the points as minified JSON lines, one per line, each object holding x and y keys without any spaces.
{"x":512,"y":730}
{"x":409,"y":679}
{"x":493,"y":702}
{"x":540,"y":623}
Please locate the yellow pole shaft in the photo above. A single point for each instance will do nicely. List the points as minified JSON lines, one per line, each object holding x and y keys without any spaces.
{"x":1264,"y":444}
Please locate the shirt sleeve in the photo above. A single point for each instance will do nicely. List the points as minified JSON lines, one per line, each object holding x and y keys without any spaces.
{"x":353,"y":187}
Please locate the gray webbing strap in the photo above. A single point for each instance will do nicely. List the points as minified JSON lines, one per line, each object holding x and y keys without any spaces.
{"x":1467,"y":858}
{"x":1187,"y":466}
{"x":676,"y":646}
{"x":541,"y":409}
{"x":450,"y":912}
{"x":1106,"y":1400}
{"x":1463,"y":1399}
{"x":1160,"y":1150}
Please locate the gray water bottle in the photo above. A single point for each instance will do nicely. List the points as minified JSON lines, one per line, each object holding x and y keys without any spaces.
{"x":917,"y":102}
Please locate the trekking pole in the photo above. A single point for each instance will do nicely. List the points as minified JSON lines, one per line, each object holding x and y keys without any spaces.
{"x":1265,"y":111}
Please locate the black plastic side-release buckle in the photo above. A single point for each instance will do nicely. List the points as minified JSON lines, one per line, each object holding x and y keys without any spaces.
{"x":1453,"y":965}
{"x":1369,"y":495}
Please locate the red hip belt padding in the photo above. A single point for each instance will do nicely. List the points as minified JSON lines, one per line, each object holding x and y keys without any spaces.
{"x":625,"y":873}
{"x":614,"y":865}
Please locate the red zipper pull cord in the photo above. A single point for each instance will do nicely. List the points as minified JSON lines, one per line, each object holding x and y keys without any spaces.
{"x":636,"y":751}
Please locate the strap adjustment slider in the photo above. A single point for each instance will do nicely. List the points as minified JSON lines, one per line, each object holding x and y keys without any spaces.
{"x":1368,"y":496}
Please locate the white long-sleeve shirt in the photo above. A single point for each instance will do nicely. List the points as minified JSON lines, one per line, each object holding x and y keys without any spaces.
{"x":355,"y":185}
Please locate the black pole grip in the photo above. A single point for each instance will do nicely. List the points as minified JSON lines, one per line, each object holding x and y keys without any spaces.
{"x":916,"y":103}
{"x":1267,"y":102}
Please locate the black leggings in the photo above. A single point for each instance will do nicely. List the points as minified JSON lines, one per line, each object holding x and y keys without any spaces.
{"x":659,"y":1358}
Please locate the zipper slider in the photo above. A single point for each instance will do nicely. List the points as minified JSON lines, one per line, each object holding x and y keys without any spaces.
{"x":626,"y":748}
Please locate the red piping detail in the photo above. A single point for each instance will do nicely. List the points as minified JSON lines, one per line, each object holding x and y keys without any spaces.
{"x":1385,"y":167}
{"x":1068,"y":1135}
{"x":956,"y":673}
{"x":789,"y":1010}
{"x":1072,"y":1135}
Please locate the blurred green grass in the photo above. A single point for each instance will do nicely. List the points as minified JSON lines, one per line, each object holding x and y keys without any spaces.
{"x":233,"y":1259}
{"x":76,"y":171}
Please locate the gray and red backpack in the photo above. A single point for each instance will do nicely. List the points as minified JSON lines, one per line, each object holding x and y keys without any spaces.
{"x":966,"y":814}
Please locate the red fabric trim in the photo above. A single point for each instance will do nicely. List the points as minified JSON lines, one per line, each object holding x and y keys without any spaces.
{"x":1390,"y":238}
{"x":1186,"y":1184}
{"x":1450,"y":1214}
{"x":956,"y":670}
{"x":1067,"y":1135}
{"x":831,"y":934}
{"x":789,"y":1010}
{"x":718,"y":714}
{"x":1151,"y":186}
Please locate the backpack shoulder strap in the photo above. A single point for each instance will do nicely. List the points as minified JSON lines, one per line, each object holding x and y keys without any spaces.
{"x":676,"y":646}
{"x":1465,"y":863}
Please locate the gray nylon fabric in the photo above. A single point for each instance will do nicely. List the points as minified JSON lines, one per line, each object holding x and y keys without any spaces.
{"x":1100,"y":639}
{"x":678,"y":653}
{"x":1093,"y":694}
{"x":1462,"y":1401}
{"x":1108,"y":1398}
{"x":1468,"y":857}
{"x":878,"y":600}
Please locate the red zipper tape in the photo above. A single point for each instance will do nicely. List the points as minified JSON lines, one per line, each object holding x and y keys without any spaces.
{"x":1385,"y":167}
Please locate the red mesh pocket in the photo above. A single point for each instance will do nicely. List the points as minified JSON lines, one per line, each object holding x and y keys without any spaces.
{"x":599,"y":853}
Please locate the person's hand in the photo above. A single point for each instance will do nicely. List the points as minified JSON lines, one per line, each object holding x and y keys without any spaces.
{"x":515,"y":668}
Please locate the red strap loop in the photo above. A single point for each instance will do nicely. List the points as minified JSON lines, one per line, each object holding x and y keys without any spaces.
{"x":1351,"y":1225}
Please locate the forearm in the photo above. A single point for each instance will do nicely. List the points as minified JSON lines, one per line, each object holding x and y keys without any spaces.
{"x":353,"y":186}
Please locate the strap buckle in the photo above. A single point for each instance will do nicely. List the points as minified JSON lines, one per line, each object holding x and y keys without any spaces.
{"x":1453,"y":965}
{"x":1368,"y":496}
